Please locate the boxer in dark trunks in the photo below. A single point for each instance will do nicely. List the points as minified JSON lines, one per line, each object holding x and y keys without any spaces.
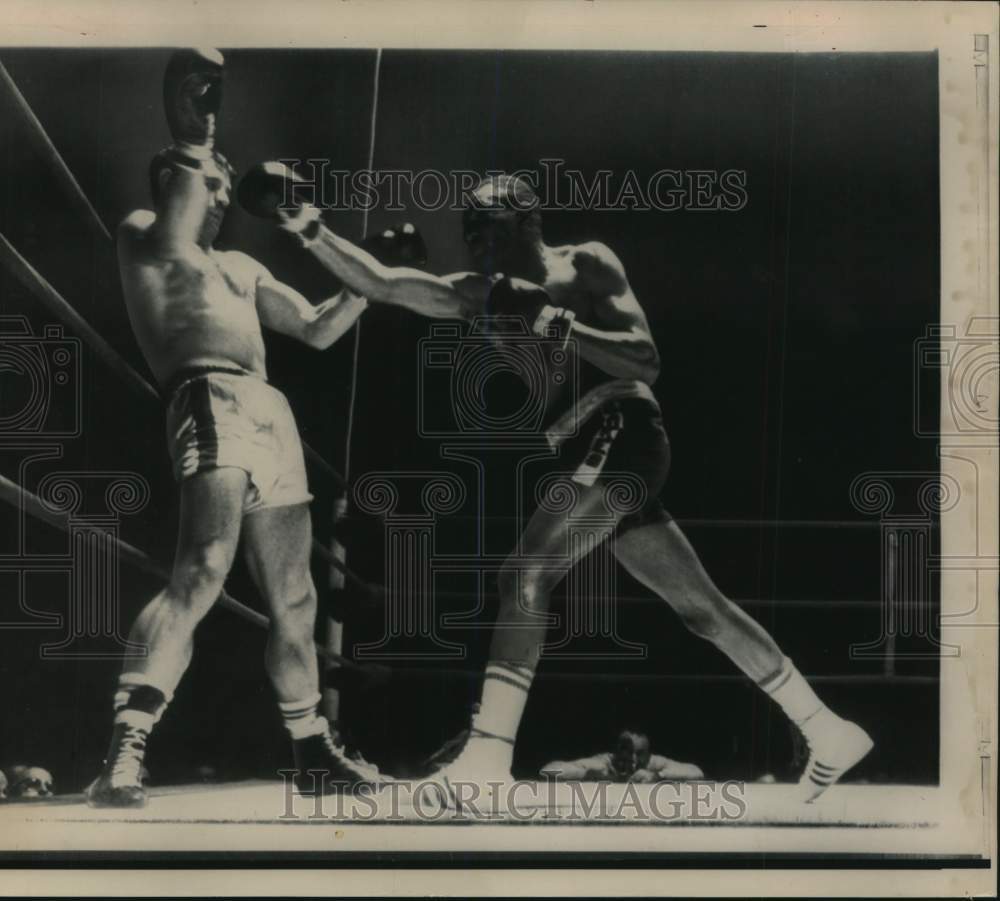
{"x":580,"y":292}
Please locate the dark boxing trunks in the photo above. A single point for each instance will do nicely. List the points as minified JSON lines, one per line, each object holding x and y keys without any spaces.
{"x":622,"y":435}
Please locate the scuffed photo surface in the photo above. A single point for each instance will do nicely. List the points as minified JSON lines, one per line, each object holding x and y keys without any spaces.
{"x":401,"y":440}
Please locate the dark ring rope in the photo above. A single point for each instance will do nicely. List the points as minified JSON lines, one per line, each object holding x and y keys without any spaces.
{"x":22,"y":499}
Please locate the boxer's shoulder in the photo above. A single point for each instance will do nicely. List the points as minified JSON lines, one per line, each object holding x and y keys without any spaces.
{"x":594,"y":257}
{"x":599,"y":267}
{"x":135,"y":227}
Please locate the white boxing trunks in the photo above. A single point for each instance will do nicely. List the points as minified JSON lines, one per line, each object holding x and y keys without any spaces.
{"x":227,"y":417}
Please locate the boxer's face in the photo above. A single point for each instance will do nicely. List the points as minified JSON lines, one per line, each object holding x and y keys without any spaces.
{"x":218,"y":188}
{"x":631,"y":753}
{"x":209,"y":186}
{"x":491,"y":237}
{"x":492,"y":229}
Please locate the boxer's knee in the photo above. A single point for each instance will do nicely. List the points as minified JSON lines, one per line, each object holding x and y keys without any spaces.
{"x":525,"y":588}
{"x":199,"y":577}
{"x":507,"y":580}
{"x":706,"y":617}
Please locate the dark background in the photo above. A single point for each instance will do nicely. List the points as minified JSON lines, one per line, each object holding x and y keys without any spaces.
{"x":786,"y":331}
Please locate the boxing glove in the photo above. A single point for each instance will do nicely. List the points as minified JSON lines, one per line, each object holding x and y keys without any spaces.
{"x":192,"y":98}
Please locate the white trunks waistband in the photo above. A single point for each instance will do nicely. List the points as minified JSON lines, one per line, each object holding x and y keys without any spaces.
{"x":566,"y":426}
{"x":187,"y":374}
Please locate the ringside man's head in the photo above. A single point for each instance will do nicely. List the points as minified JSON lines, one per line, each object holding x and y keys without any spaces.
{"x":501,"y":221}
{"x":631,"y":753}
{"x":175,"y":178}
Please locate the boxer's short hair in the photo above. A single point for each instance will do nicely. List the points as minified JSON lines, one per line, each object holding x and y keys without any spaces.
{"x":167,"y":159}
{"x":510,"y":192}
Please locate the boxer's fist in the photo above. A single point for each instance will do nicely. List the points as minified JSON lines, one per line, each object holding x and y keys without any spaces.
{"x":268,"y":191}
{"x":192,"y":97}
{"x":400,"y":245}
{"x":515,"y":297}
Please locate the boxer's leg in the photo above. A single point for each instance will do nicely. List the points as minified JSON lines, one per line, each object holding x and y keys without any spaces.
{"x":210,"y":515}
{"x":278,"y":543}
{"x":659,"y":556}
{"x":525,"y":584}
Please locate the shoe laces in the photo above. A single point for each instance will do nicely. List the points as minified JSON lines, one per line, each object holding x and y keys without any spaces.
{"x":335,"y":749}
{"x":354,"y":759}
{"x":357,"y":757}
{"x":127,"y":764}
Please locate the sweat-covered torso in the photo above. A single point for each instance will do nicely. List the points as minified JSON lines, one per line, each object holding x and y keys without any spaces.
{"x":199,"y":310}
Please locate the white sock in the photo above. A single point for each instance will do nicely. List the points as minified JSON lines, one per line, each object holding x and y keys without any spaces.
{"x":505,"y":692}
{"x":792,"y":693}
{"x":301,"y":719}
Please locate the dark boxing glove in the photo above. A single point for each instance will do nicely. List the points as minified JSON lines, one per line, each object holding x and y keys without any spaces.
{"x":400,"y":245}
{"x":513,"y":299}
{"x":192,"y":97}
{"x":268,"y":191}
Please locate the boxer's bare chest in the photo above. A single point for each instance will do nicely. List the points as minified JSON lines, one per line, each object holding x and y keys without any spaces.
{"x":209,"y":280}
{"x":201,"y":307}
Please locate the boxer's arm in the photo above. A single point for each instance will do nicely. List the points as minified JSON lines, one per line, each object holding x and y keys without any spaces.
{"x":177,"y":228}
{"x":285,"y":310}
{"x":620,"y":343}
{"x":268,"y":191}
{"x":453,"y":297}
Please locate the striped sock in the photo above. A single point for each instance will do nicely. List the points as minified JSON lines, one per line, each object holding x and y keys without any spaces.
{"x":791,"y":691}
{"x":301,"y":719}
{"x":505,"y":692}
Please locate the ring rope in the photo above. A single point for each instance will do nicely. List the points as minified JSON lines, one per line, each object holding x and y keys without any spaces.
{"x":437,"y":672}
{"x":57,"y":304}
{"x":28,"y":276}
{"x":48,"y":150}
{"x":27,"y":502}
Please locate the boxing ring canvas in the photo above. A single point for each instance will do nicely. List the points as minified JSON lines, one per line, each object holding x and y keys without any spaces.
{"x":802,"y":215}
